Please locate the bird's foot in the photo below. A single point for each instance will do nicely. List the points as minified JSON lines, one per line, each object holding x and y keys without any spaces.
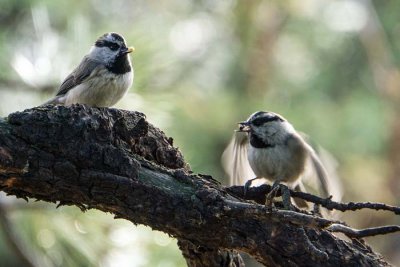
{"x":285,"y":192}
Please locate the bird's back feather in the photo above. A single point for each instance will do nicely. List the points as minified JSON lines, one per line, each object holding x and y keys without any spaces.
{"x":78,"y":75}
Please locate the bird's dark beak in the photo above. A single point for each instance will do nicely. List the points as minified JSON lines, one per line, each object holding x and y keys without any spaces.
{"x":244,"y":126}
{"x":127,"y":50}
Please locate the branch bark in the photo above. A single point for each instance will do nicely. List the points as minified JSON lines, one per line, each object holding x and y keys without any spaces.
{"x":115,"y":161}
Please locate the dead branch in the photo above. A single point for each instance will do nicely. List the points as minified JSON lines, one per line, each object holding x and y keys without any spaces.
{"x":117,"y":162}
{"x":354,"y":233}
{"x":258,"y":194}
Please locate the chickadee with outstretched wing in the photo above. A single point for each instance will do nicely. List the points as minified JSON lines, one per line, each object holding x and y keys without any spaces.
{"x":267,"y":146}
{"x":102,"y":78}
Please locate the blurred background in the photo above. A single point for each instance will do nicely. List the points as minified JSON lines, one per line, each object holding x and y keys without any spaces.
{"x":330,"y":67}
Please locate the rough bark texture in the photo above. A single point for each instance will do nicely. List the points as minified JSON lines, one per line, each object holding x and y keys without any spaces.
{"x":117,"y":162}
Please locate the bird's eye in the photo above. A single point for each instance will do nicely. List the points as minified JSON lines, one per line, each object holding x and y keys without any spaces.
{"x":258,"y":122}
{"x":114,"y":47}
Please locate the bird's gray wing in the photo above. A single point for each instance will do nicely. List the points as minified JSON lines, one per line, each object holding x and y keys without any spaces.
{"x":322,"y":166}
{"x":330,"y":164}
{"x":78,"y":75}
{"x":235,"y":162}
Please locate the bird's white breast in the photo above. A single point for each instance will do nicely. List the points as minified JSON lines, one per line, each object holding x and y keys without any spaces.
{"x":102,"y":89}
{"x":273,"y":163}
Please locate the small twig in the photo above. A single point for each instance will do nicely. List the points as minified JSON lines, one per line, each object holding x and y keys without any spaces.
{"x":353,"y":206}
{"x":313,"y":221}
{"x":354,"y":233}
{"x":258,"y":194}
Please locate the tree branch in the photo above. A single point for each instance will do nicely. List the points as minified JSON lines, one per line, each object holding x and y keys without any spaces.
{"x":258,"y":194}
{"x":117,"y":162}
{"x":354,"y":233}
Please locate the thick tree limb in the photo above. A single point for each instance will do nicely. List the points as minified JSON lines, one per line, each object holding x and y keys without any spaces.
{"x":203,"y":256}
{"x":115,"y":161}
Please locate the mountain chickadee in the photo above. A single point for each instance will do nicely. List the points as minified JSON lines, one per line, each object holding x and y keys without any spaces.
{"x":102,"y":78}
{"x":267,"y":146}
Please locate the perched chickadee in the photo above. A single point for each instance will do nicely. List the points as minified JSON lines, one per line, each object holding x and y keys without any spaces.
{"x":267,"y":146}
{"x":102,"y":78}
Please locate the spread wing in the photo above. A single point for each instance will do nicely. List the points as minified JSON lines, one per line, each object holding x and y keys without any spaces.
{"x":78,"y":75}
{"x":321,"y":172}
{"x":235,"y":162}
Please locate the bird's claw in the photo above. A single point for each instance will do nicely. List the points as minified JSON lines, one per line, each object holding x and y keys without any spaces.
{"x":287,"y":204}
{"x":248,"y":184}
